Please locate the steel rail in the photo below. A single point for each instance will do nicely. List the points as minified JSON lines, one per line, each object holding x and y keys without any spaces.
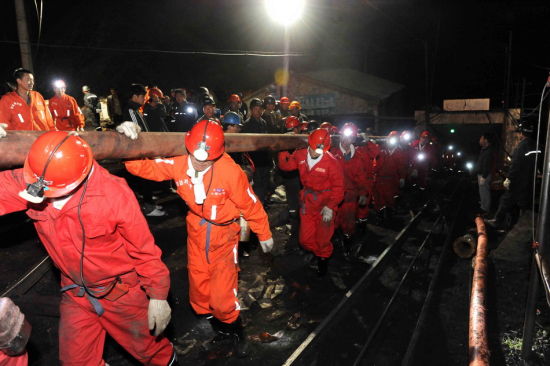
{"x":389,"y":305}
{"x":409,"y":357}
{"x":366,"y":278}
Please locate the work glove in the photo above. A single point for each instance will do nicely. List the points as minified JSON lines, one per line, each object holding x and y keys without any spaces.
{"x":80,"y":129}
{"x":506,"y":183}
{"x":267,"y":245}
{"x":401,"y":183}
{"x":362,"y":200}
{"x":3,"y":131}
{"x":158,"y":315}
{"x":129,"y":129}
{"x":327,"y":214}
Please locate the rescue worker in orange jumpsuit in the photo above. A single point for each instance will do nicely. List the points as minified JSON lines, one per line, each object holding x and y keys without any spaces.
{"x":390,"y":173}
{"x":369,"y":152}
{"x":284,"y":103}
{"x":291,"y":180}
{"x":355,"y":180}
{"x":322,"y":180}
{"x":113,"y":280}
{"x":15,"y":331}
{"x":217,"y":192}
{"x":64,"y":109}
{"x":424,"y":159}
{"x":24,"y":108}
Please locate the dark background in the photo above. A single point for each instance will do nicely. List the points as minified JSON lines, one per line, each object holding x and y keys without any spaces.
{"x":112,"y":43}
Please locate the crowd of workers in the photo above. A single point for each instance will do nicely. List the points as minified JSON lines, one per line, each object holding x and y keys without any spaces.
{"x":90,"y":222}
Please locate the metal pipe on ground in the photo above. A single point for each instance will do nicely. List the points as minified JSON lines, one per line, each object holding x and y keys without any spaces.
{"x":113,"y":145}
{"x":478,"y":345}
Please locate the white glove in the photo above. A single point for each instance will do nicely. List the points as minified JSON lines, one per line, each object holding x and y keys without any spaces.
{"x":129,"y":129}
{"x":506,"y":183}
{"x":362,"y":200}
{"x":158,"y":315}
{"x":327,"y":214}
{"x":267,"y":245}
{"x":3,"y":131}
{"x":401,"y":183}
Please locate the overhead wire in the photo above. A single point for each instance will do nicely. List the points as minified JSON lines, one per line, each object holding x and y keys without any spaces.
{"x":182,"y":52}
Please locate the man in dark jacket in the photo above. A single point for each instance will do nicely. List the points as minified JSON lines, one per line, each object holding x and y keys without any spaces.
{"x":155,"y":114}
{"x":132,"y":115}
{"x":184,"y":114}
{"x":484,"y":168}
{"x":262,"y":159}
{"x":519,"y":184}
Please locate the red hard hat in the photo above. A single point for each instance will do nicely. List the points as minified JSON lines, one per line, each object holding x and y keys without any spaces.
{"x":326,"y":125}
{"x":63,"y":161}
{"x":349,"y":130}
{"x":425,"y":133}
{"x":234,"y":98}
{"x":284,"y":100}
{"x":291,"y":122}
{"x":319,"y":140}
{"x":205,"y":140}
{"x":303,"y":126}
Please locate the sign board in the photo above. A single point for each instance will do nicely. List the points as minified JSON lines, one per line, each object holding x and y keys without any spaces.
{"x":317,"y":104}
{"x":454,"y":105}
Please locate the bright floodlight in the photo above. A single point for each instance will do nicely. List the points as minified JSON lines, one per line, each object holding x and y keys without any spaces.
{"x":285,"y":12}
{"x":189,"y":110}
{"x":469,"y":165}
{"x":451,"y":147}
{"x":58,"y":84}
{"x":393,"y":140}
{"x":407,"y":136}
{"x":459,"y":154}
{"x":421,"y":157}
{"x":348,"y":132}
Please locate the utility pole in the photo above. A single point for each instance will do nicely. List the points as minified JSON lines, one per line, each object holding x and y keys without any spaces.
{"x":23,"y":33}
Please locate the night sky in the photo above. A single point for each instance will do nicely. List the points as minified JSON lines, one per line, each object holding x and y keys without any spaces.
{"x":114,"y":43}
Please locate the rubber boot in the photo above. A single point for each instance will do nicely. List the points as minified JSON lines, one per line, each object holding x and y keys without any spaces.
{"x":239,"y":338}
{"x":222,"y":337}
{"x":347,"y":244}
{"x":322,"y":266}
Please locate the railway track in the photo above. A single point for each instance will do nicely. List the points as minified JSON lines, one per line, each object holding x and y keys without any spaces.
{"x":392,"y":298}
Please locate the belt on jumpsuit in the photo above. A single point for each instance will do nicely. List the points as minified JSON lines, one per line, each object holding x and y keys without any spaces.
{"x":209,"y":230}
{"x":314,"y":193}
{"x":95,"y":291}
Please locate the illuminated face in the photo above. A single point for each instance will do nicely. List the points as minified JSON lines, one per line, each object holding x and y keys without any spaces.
{"x":26,"y":82}
{"x":256,"y":111}
{"x":208,"y":110}
{"x":200,"y":166}
{"x":139,"y":99}
{"x":312,"y":153}
{"x":180,"y":98}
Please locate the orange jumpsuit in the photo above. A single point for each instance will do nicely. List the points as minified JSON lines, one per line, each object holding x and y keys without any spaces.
{"x":390,"y":168}
{"x":65,"y":112}
{"x":356,"y":184}
{"x":212,"y":228}
{"x":322,"y":186}
{"x":369,"y":152}
{"x":22,"y":116}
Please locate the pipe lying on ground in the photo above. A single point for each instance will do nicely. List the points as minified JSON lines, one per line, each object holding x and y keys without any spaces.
{"x":465,"y":246}
{"x":478,"y":345}
{"x":113,"y":145}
